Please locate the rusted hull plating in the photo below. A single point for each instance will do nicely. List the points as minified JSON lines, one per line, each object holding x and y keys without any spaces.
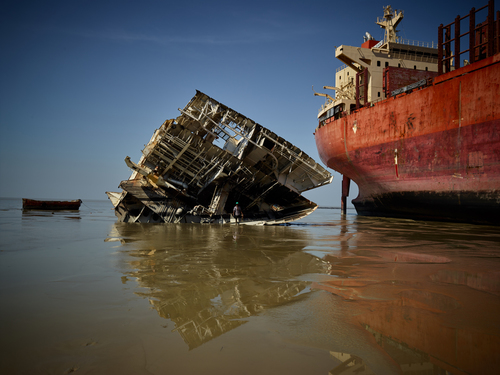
{"x":431,"y":154}
{"x":196,"y":167}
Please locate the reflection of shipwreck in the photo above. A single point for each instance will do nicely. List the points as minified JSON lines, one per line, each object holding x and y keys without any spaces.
{"x":197,"y":166}
{"x":211,"y":289}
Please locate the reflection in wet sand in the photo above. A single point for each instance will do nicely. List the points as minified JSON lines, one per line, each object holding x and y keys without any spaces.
{"x":429,"y":296}
{"x":403,"y":297}
{"x":208,"y":285}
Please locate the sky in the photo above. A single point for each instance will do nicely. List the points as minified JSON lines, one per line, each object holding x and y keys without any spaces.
{"x":83,"y":84}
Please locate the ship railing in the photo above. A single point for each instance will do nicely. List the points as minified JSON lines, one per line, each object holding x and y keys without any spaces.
{"x":340,"y":68}
{"x":323,"y":107}
{"x":418,"y":43}
{"x":373,"y":102}
{"x":408,"y":42}
{"x":483,"y":39}
{"x":412,"y":57}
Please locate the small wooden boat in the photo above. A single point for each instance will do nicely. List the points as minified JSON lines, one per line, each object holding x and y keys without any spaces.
{"x":31,"y":204}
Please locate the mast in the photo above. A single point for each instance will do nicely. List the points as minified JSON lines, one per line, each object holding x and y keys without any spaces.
{"x":389,"y":23}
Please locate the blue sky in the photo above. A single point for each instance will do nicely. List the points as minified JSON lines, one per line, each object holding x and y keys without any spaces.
{"x":86,"y":83}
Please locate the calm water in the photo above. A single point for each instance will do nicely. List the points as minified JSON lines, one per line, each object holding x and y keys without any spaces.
{"x":328,"y":295}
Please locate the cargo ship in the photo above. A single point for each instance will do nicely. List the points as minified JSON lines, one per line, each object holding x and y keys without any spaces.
{"x":198,"y":166}
{"x":417,"y":126}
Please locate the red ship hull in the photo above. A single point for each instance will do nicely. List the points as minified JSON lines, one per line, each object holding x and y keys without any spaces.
{"x":430,"y":154}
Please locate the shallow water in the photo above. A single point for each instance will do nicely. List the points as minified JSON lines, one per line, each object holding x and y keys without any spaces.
{"x":326,"y":295}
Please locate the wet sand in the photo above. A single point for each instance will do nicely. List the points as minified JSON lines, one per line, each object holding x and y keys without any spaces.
{"x":83,"y":294}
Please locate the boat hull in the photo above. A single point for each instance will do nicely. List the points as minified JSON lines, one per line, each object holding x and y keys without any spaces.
{"x":432,"y":154}
{"x":479,"y":207}
{"x":31,"y":204}
{"x":138,"y":208}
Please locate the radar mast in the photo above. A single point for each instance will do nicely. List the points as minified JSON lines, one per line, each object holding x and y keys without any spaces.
{"x":389,"y":22}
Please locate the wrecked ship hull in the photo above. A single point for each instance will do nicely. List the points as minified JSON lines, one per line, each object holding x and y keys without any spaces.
{"x":198,"y":165}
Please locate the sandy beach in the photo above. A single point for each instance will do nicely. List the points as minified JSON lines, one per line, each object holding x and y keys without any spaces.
{"x":84,"y":294}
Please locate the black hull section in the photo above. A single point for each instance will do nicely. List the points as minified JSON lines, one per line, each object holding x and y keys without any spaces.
{"x":146,"y":207}
{"x":463,"y":207}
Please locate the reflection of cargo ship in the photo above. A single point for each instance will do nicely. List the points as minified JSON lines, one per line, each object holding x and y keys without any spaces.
{"x":417,"y":128}
{"x":432,"y":307}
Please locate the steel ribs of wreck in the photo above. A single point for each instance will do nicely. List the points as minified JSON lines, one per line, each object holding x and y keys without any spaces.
{"x":195,"y":168}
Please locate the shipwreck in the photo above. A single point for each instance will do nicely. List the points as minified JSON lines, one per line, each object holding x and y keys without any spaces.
{"x":197,"y":166}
